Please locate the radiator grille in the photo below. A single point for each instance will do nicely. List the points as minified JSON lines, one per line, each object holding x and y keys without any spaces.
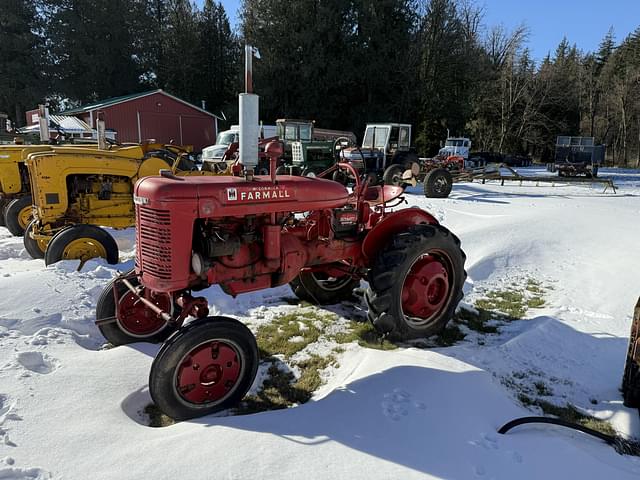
{"x":154,"y":250}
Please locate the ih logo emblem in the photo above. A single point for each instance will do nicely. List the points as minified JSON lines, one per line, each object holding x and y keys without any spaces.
{"x":232,"y":194}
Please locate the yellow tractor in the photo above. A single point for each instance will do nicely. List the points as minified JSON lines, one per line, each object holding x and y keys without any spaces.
{"x":76,"y":191}
{"x":15,"y":197}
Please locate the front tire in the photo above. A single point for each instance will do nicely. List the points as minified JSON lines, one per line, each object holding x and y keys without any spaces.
{"x":139,"y":324}
{"x":35,"y":248}
{"x":81,"y":242}
{"x":415,"y":283}
{"x":631,"y":377}
{"x":438,"y":183}
{"x":18,"y":214}
{"x":207,"y":366}
{"x":320,"y":289}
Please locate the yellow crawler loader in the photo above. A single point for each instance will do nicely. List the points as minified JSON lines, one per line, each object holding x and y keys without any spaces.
{"x":77,"y":191}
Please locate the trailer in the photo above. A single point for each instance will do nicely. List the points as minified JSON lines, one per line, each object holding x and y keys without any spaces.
{"x":438,"y":177}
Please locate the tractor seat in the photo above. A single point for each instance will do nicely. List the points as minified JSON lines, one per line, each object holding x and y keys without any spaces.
{"x":378,"y":195}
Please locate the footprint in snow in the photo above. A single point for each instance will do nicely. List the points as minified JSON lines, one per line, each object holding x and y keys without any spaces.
{"x":6,"y":413}
{"x":14,"y":473}
{"x":37,"y":362}
{"x":397,"y":403}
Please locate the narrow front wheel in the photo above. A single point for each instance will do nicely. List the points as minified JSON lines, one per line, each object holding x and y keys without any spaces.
{"x":207,"y":366}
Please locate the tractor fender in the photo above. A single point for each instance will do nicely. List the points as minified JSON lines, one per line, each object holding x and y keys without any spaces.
{"x":393,"y":223}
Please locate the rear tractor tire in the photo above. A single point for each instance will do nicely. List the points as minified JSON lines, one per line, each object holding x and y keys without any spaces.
{"x":416,"y":283}
{"x":137,"y":323}
{"x":393,"y":175}
{"x":438,"y":183}
{"x":320,"y":289}
{"x":35,"y":248}
{"x":18,"y":214}
{"x":207,"y":366}
{"x":81,"y":242}
{"x":631,"y":377}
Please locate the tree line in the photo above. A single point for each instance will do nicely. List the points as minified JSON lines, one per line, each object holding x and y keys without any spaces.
{"x":432,"y":63}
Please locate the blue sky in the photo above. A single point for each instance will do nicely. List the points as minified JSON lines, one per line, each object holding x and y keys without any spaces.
{"x":583,"y":22}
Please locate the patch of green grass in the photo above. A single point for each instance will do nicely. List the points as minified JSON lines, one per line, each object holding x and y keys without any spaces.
{"x":304,"y":326}
{"x":509,"y":302}
{"x":156,"y":417}
{"x":535,"y":302}
{"x":449,"y":336}
{"x":534,"y":286}
{"x":477,"y":321}
{"x":282,"y":390}
{"x":569,"y":413}
{"x":542,"y":389}
{"x":365,"y":335}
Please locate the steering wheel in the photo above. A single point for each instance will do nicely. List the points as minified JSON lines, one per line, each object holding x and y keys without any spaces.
{"x":112,"y":142}
{"x":340,"y":144}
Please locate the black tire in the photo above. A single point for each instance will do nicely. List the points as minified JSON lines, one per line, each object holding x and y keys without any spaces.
{"x":393,"y":175}
{"x":115,"y":333}
{"x":99,"y":238}
{"x":210,"y":332}
{"x":341,"y":177}
{"x":281,"y":170}
{"x":3,"y":204}
{"x":390,"y":272}
{"x":631,"y":377}
{"x":438,"y":183}
{"x":13,"y":213}
{"x":32,"y":246}
{"x":308,"y":172}
{"x":319,"y":289}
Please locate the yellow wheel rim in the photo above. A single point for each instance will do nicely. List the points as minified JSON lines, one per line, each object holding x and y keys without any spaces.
{"x":84,"y":249}
{"x":25,"y":216}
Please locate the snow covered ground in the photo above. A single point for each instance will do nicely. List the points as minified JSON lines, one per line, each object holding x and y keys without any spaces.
{"x":70,"y":410}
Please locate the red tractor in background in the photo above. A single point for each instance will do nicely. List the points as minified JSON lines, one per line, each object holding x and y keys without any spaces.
{"x":254,"y":232}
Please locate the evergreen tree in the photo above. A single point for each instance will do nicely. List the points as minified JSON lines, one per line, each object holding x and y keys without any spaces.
{"x":22,"y":59}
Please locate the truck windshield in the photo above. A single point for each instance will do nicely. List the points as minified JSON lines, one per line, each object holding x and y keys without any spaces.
{"x":454,"y":143}
{"x":380,"y":134}
{"x":305,"y":133}
{"x":227,"y":138}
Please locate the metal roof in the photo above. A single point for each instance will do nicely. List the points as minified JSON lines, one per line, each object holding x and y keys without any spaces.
{"x":66,"y":124}
{"x":109,"y":102}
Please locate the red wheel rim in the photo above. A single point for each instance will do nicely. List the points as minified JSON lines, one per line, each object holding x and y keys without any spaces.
{"x":426,"y":288}
{"x":137,"y":319}
{"x":209,"y":373}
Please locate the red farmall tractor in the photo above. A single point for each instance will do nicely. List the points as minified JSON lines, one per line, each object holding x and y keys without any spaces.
{"x":254,"y":232}
{"x":249,"y":233}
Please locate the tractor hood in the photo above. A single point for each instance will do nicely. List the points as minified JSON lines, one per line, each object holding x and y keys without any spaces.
{"x":218,"y":196}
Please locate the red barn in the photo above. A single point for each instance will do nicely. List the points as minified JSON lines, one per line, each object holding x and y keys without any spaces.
{"x":152,"y":115}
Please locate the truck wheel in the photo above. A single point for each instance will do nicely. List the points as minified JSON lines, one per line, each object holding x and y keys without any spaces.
{"x":416,"y":282}
{"x":35,"y":248}
{"x":82,"y":242}
{"x":321,"y":289}
{"x":205,"y":367}
{"x":393,"y":175}
{"x":308,"y":172}
{"x":438,"y":183}
{"x":631,"y":377}
{"x":136,"y":323}
{"x":17,"y":215}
